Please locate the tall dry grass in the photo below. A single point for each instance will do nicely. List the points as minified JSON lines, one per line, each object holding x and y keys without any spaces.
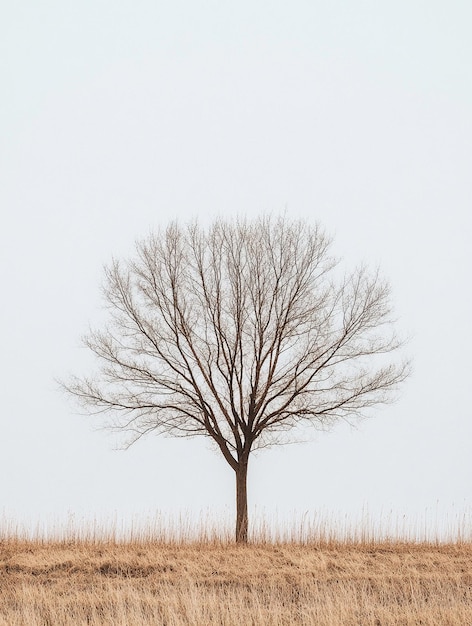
{"x":94,"y":578}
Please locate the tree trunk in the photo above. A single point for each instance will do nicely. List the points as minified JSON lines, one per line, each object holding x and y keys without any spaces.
{"x":241,"y":502}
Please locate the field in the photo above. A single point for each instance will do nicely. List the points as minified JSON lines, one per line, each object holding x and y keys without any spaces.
{"x":96,"y":580}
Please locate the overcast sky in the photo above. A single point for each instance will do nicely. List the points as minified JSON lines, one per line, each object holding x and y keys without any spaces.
{"x":116,"y":117}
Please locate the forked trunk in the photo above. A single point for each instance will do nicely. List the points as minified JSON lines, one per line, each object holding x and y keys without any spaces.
{"x":241,"y":503}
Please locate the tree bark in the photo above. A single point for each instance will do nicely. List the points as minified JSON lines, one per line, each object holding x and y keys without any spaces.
{"x":241,"y":502}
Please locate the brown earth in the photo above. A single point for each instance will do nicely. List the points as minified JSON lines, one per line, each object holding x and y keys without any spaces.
{"x":96,"y":583}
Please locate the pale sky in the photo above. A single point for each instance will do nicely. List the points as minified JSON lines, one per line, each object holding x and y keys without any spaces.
{"x":116,"y":117}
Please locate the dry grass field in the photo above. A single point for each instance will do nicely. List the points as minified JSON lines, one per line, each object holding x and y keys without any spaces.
{"x":96,"y":581}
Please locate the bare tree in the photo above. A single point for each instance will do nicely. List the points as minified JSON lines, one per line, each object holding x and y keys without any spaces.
{"x":239,"y":332}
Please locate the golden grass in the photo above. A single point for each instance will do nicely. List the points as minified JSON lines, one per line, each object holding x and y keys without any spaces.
{"x":99,"y":580}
